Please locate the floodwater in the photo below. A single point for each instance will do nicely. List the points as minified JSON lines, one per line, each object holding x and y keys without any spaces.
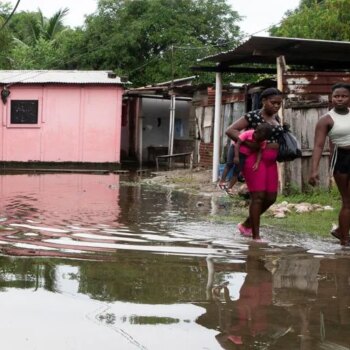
{"x":96,"y":262}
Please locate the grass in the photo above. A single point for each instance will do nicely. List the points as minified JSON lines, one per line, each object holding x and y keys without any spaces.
{"x":316,"y":222}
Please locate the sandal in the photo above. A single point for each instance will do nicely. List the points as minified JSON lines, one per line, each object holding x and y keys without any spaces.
{"x":223,"y":187}
{"x":245,"y":231}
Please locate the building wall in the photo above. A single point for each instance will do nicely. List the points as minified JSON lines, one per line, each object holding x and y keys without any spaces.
{"x":307,"y":97}
{"x":232,"y":108}
{"x":75,"y":124}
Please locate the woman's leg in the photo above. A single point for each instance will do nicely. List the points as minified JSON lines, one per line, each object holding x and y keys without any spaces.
{"x":267,"y":201}
{"x":254,"y":184}
{"x":343,"y":184}
{"x":270,"y":198}
{"x":255,"y":210}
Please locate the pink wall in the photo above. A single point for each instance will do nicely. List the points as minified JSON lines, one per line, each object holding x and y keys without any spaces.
{"x":75,"y":124}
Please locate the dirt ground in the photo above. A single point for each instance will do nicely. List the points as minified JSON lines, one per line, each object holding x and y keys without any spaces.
{"x":198,"y":180}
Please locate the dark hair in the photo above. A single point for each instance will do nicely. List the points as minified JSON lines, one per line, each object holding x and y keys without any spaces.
{"x":270,"y":92}
{"x":265,"y":129}
{"x":340,"y":86}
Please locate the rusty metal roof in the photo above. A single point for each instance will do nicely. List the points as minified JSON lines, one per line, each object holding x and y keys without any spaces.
{"x":322,"y":54}
{"x":10,"y":77}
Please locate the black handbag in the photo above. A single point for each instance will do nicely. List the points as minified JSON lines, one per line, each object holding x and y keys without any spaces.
{"x":289,"y":147}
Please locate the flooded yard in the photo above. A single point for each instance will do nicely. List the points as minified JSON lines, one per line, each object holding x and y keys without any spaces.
{"x":97,"y":262}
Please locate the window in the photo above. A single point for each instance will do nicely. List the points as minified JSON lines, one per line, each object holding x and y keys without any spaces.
{"x":24,"y":112}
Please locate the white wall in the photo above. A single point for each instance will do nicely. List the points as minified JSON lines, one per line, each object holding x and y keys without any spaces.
{"x":155,"y":114}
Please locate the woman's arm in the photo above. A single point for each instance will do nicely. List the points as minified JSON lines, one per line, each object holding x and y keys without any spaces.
{"x":258,"y":160}
{"x":321,"y":132}
{"x":235,"y":128}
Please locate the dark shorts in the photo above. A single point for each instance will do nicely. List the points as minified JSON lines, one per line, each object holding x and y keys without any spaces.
{"x":342,"y":165}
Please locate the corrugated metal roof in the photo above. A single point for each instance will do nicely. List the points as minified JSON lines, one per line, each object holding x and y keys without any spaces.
{"x":168,"y":84}
{"x":316,"y":53}
{"x":57,"y":77}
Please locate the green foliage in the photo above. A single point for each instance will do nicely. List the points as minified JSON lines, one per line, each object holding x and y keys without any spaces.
{"x":314,"y":222}
{"x":317,"y":223}
{"x":156,"y":40}
{"x":315,"y":19}
{"x":34,"y":40}
{"x":30,"y":27}
{"x":5,"y":36}
{"x":40,"y":56}
{"x":147,"y":40}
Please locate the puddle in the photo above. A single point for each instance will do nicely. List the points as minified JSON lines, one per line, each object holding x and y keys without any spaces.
{"x":89,"y":261}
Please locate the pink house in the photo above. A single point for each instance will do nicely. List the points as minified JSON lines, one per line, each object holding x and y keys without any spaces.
{"x":60,"y":116}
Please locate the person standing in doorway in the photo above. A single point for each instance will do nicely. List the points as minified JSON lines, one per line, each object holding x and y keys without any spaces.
{"x":336,"y":125}
{"x":228,"y":166}
{"x":263,"y":184}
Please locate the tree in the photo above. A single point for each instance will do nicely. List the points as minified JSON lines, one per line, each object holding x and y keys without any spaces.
{"x":5,"y":36}
{"x":36,"y":39}
{"x":156,"y":40}
{"x":316,"y":19}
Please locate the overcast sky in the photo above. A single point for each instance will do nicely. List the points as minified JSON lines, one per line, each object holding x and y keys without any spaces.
{"x":259,"y":14}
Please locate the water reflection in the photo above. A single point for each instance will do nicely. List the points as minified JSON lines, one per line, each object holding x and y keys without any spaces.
{"x":268,"y":302}
{"x":93,"y":216}
{"x":108,"y":264}
{"x":285,"y":301}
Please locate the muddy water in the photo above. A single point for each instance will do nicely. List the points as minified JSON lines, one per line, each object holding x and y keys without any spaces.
{"x":94,"y":262}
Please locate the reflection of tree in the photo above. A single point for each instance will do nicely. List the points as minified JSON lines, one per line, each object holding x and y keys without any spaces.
{"x":27,"y":273}
{"x":143,"y":278}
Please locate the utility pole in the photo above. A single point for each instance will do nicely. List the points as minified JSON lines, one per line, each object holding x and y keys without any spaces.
{"x":172,"y":109}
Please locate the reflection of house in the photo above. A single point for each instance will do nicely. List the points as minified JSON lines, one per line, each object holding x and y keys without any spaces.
{"x":305,"y":70}
{"x":60,"y":116}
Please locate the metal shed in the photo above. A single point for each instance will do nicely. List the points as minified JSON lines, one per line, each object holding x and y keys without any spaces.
{"x":305,"y":70}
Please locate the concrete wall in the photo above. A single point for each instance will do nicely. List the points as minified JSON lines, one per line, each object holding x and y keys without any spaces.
{"x":155,"y":114}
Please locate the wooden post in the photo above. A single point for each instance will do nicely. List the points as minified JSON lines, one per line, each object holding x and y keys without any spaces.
{"x":217,"y":119}
{"x":281,"y":68}
{"x":140,"y":130}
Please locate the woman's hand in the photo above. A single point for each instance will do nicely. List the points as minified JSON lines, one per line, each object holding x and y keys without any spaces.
{"x":314,"y":179}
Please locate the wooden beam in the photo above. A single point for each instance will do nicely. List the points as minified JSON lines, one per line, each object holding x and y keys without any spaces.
{"x":220,"y":69}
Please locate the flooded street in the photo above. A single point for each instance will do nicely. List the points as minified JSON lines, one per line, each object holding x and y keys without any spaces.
{"x":96,"y":262}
